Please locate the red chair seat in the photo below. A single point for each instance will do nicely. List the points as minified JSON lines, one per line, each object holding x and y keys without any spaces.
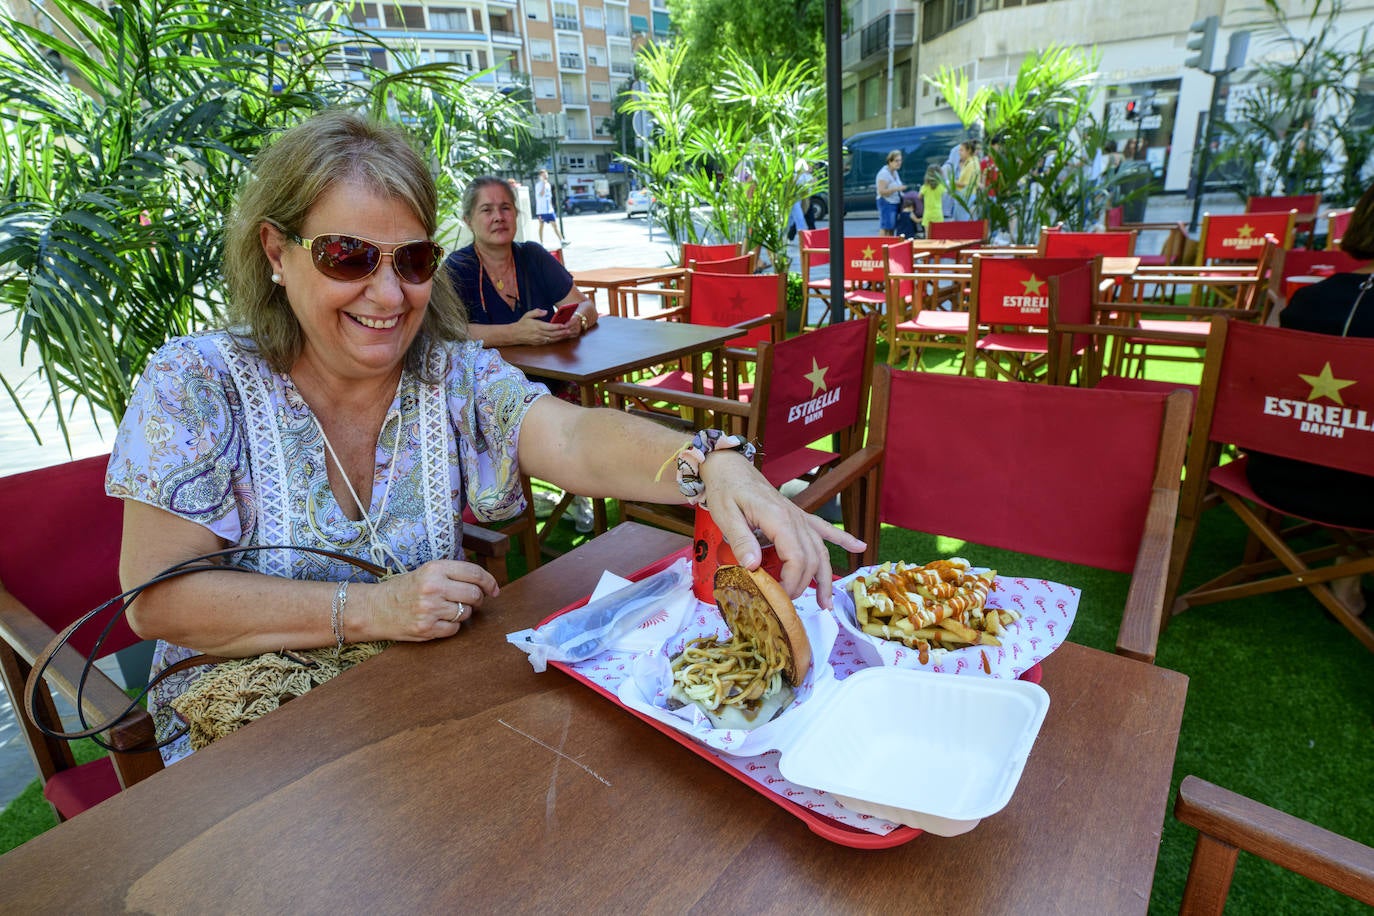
{"x":936,"y":321}
{"x":679,"y":380}
{"x":1231,"y":476}
{"x":1012,"y":342}
{"x":1154,"y":260}
{"x":867,"y":296}
{"x":1197,"y":328}
{"x":73,"y":791}
{"x":796,"y":463}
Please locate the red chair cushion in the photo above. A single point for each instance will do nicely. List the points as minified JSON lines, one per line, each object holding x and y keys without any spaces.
{"x":1231,"y":476}
{"x":64,"y":508}
{"x":678,"y":380}
{"x":75,"y":790}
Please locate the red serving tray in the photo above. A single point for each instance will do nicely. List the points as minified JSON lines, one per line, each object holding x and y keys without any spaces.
{"x":819,"y":824}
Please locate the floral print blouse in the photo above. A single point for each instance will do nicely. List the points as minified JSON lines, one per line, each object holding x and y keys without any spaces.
{"x":214,"y":436}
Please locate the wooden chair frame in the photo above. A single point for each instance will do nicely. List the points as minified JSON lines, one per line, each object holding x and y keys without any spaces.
{"x":1269,"y":563}
{"x":918,"y":323}
{"x":24,"y":635}
{"x":1228,"y":823}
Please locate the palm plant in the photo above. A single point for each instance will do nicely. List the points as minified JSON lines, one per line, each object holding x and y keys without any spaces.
{"x":735,"y":166}
{"x":1048,"y":137}
{"x":126,"y":133}
{"x":1301,"y":115}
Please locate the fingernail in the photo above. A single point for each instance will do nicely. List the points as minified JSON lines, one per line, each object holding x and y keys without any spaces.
{"x":749,"y":560}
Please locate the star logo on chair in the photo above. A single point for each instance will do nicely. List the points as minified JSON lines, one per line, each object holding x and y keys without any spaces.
{"x":1326,"y":385}
{"x":737,"y":302}
{"x":868,"y":253}
{"x":1245,"y":231}
{"x":1033,"y":285}
{"x":816,"y":377}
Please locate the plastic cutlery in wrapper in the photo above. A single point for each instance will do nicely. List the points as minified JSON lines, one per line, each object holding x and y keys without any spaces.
{"x":636,"y":618}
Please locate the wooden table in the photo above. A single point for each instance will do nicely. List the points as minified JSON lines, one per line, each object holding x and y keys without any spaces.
{"x":612,"y":279}
{"x":608,"y":350}
{"x":448,"y":776}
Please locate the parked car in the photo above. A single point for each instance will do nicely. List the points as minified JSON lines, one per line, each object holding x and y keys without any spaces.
{"x":639,"y":203}
{"x":588,"y":203}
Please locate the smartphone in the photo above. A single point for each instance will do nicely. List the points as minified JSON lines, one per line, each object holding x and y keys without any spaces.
{"x":564,"y":313}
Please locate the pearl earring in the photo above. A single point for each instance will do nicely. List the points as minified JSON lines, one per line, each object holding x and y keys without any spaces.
{"x":276,"y":278}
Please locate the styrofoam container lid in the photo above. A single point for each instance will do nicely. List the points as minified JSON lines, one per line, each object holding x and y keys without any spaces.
{"x":933,"y":751}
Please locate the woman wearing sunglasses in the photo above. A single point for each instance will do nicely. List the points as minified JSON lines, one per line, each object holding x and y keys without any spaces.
{"x":511,"y":289}
{"x":346,"y":408}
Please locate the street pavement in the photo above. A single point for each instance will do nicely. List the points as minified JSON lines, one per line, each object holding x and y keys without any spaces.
{"x":595,"y":240}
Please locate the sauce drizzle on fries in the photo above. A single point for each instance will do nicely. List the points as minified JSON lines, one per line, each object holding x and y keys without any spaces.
{"x":938,"y":605}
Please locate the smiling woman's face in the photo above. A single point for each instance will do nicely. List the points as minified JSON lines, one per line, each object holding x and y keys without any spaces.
{"x":363,"y":328}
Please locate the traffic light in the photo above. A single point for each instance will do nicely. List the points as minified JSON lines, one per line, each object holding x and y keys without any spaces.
{"x":1203,"y":39}
{"x":1131,"y":112}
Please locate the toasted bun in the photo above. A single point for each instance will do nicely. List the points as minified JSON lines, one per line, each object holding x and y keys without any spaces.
{"x":752,"y":600}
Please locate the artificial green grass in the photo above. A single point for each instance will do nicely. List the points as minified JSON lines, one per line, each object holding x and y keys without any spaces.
{"x":1280,"y":700}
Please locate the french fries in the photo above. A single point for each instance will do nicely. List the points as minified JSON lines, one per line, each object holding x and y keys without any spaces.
{"x":941,"y":605}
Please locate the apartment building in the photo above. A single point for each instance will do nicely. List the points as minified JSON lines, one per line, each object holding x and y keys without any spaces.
{"x":893,"y":43}
{"x":575,"y":56}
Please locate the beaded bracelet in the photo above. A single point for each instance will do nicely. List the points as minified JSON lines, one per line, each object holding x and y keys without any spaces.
{"x":336,"y":614}
{"x":690,"y":457}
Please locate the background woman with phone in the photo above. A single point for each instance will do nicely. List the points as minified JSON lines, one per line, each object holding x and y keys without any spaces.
{"x":512,"y":290}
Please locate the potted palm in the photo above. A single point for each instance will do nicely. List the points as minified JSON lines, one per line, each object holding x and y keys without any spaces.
{"x":126,"y":132}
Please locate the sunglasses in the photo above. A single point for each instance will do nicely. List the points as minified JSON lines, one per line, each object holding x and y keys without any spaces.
{"x":349,"y":258}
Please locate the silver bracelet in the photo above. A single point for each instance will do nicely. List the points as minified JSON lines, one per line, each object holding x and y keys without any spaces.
{"x":336,"y":612}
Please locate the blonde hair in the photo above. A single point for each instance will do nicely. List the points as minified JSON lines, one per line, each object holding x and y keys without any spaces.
{"x":287,"y":179}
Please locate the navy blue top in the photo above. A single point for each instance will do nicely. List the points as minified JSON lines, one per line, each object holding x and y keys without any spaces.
{"x":542,"y":280}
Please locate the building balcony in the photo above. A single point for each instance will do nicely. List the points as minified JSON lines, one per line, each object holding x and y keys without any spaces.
{"x":506,"y":39}
{"x":570,"y":61}
{"x":871,"y":41}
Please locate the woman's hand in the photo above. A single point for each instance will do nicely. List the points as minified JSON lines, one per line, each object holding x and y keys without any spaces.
{"x":584,"y":319}
{"x":741,"y":499}
{"x":532,"y":330}
{"x":427,"y":603}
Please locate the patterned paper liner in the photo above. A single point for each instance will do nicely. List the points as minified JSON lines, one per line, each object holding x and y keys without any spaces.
{"x":1047,"y":612}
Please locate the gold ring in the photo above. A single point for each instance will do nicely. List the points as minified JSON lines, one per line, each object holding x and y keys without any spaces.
{"x":583,"y":319}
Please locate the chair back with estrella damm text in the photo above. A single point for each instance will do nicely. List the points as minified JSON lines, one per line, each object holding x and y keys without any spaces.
{"x":808,"y":411}
{"x":1014,"y":303}
{"x":867,"y":261}
{"x":1291,"y":394}
{"x":1078,"y":475}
